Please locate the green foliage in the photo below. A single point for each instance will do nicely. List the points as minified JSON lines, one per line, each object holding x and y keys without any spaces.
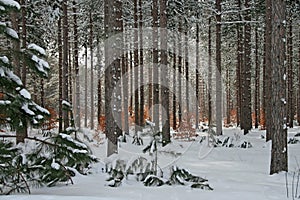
{"x":12,"y":169}
{"x":42,"y":162}
{"x":153,"y":181}
{"x":143,"y":171}
{"x":16,"y":104}
{"x":181,"y":176}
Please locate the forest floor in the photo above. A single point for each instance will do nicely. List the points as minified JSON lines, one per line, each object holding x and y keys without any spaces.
{"x":233,"y":173}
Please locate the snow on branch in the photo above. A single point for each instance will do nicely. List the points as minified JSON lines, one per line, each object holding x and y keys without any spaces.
{"x":10,"y":3}
{"x":37,"y":48}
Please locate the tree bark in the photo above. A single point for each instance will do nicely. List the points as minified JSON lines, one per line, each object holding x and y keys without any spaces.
{"x":279,"y":160}
{"x":290,"y":78}
{"x":136,"y":72}
{"x":110,"y":72}
{"x":76,"y":66}
{"x":268,"y":69}
{"x":219,"y":114}
{"x":180,"y":74}
{"x":65,"y":75}
{"x":141,"y":67}
{"x":209,"y":74}
{"x":156,"y":109}
{"x":60,"y":69}
{"x":247,"y":72}
{"x":92,"y":68}
{"x":197,"y":76}
{"x":164,"y":72}
{"x":257,"y":82}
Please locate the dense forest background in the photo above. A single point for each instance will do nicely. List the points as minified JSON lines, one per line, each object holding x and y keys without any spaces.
{"x":117,"y":66}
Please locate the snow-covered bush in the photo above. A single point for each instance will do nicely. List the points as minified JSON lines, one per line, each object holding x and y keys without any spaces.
{"x":41,"y":162}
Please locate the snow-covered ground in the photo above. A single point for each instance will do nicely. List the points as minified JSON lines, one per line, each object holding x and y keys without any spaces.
{"x":233,"y":173}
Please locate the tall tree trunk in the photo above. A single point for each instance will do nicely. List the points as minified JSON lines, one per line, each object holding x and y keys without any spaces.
{"x":228,"y":97}
{"x":247,"y":71}
{"x":21,"y":130}
{"x":118,"y":52}
{"x":257,"y":80}
{"x":186,"y":58}
{"x":60,"y":69}
{"x":268,"y":69}
{"x":125,"y":89}
{"x":164,"y":72}
{"x":99,"y":84}
{"x":65,"y":77}
{"x":131,"y":79}
{"x":197,"y":75}
{"x":136,"y":67}
{"x":92,"y":68}
{"x":209,"y":75}
{"x":24,"y":40}
{"x":112,"y":64}
{"x":76,"y":66}
{"x":290,"y":78}
{"x":279,"y":160}
{"x":239,"y":78}
{"x":85,"y":84}
{"x":219,"y":114}
{"x":180,"y":74}
{"x":142,"y":98}
{"x":298,"y":95}
{"x":156,"y":109}
{"x":174,"y":123}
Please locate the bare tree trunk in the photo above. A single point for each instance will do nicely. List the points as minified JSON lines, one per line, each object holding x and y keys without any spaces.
{"x":186,"y":58}
{"x":125,"y":91}
{"x":92,"y":69}
{"x":240,"y":64}
{"x":268,"y":69}
{"x":60,"y":69}
{"x":209,"y":75}
{"x":197,"y":75}
{"x":180,"y":74}
{"x":99,"y":84}
{"x":112,"y":62}
{"x":228,"y":98}
{"x":65,"y":77}
{"x":76,"y":65}
{"x":257,"y":80}
{"x":247,"y":72}
{"x":136,"y":72}
{"x":290,"y":78}
{"x":142,"y":98}
{"x":164,"y":72}
{"x":85,"y":85}
{"x":174,"y":123}
{"x":298,"y":95}
{"x":279,"y":160}
{"x":219,"y":114}
{"x":118,"y":52}
{"x":156,"y":109}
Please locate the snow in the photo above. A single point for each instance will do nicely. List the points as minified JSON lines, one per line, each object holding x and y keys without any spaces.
{"x":12,"y":33}
{"x":24,"y":93}
{"x":10,"y":3}
{"x":27,"y":110}
{"x":41,"y":64}
{"x":66,"y":103}
{"x":4,"y":59}
{"x":37,"y":48}
{"x":55,"y":165}
{"x":10,"y":75}
{"x":233,"y":173}
{"x":5,"y":102}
